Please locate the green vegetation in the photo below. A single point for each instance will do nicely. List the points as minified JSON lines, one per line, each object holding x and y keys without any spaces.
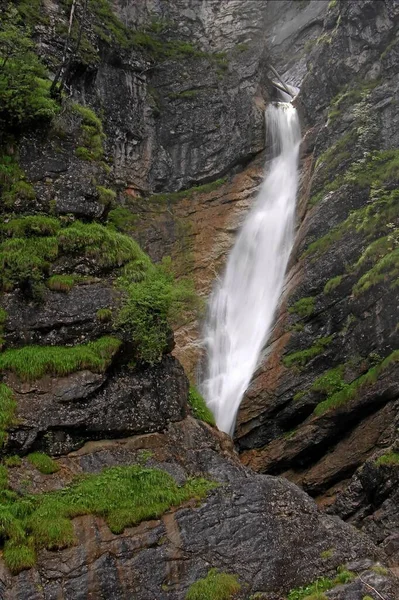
{"x":7,"y":410}
{"x":104,"y":315}
{"x":380,"y":570}
{"x":323,"y":584}
{"x":123,"y":496}
{"x":43,"y":463}
{"x":152,"y":299}
{"x":386,"y":269}
{"x":215,"y":586}
{"x":297,"y":327}
{"x":390,"y":459}
{"x":327,"y":554}
{"x":32,"y":362}
{"x":13,"y":186}
{"x":330,"y":382}
{"x":199,"y":189}
{"x":28,"y":226}
{"x":12,"y":461}
{"x":301,"y":357}
{"x":199,"y":407}
{"x":92,"y":135}
{"x":24,"y":85}
{"x":349,"y":391}
{"x":183,"y":95}
{"x":382,"y":209}
{"x":332,"y":284}
{"x":24,"y":260}
{"x":304,"y":307}
{"x":107,"y":248}
{"x":105,"y":195}
{"x":61,"y":283}
{"x":121,"y":219}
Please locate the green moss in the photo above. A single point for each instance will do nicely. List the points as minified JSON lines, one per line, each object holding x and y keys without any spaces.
{"x":199,"y":407}
{"x":386,"y":269}
{"x":184,"y":95}
{"x":105,"y":195}
{"x":200,"y":189}
{"x":380,"y":570}
{"x":121,"y":219}
{"x":28,"y":226}
{"x":327,"y":554}
{"x":297,"y":327}
{"x":351,"y":391}
{"x":3,"y":478}
{"x":332,"y":284}
{"x":24,"y":86}
{"x":104,"y":315}
{"x":25,"y":260}
{"x":32,"y":362}
{"x":383,"y":208}
{"x":390,"y":459}
{"x":19,"y":556}
{"x":304,"y":307}
{"x":149,"y":305}
{"x":302,"y":357}
{"x":13,"y":461}
{"x":323,"y":584}
{"x":123,"y":496}
{"x":92,"y":136}
{"x":3,"y":316}
{"x":105,"y":247}
{"x":330,"y":382}
{"x":7,"y":410}
{"x":43,"y":463}
{"x":215,"y":586}
{"x":61,"y":283}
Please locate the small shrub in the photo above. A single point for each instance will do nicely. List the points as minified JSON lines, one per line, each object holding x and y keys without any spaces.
{"x":304,"y":307}
{"x":43,"y":463}
{"x":215,"y":586}
{"x":105,"y":195}
{"x":199,"y":407}
{"x":12,"y":461}
{"x":32,"y":362}
{"x":91,"y":146}
{"x":149,"y":305}
{"x":104,"y":315}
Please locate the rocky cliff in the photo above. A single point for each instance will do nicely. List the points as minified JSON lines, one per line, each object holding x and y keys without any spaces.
{"x":111,"y":484}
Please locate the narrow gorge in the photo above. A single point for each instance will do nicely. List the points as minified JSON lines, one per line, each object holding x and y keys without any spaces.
{"x":199,"y":199}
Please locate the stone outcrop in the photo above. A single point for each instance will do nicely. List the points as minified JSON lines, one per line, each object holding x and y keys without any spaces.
{"x":337,"y":321}
{"x":249,"y":525}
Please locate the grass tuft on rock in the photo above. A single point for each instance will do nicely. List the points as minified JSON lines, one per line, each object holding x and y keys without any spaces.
{"x":303,"y":307}
{"x":199,"y":407}
{"x":33,"y":362}
{"x":43,"y":463}
{"x":28,"y":226}
{"x":123,"y":496}
{"x":301,"y":357}
{"x":215,"y":586}
{"x":390,"y":459}
{"x":7,"y":410}
{"x":315,"y":589}
{"x":351,"y":390}
{"x":61,"y":283}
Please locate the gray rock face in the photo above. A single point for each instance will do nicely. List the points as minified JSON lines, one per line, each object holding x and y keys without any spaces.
{"x":58,"y":415}
{"x":347,"y":101}
{"x":261,"y":528}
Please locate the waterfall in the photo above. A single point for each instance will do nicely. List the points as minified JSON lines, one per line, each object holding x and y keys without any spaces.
{"x":242,"y":306}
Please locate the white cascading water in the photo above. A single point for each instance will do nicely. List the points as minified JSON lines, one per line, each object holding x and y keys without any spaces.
{"x":243,"y":304}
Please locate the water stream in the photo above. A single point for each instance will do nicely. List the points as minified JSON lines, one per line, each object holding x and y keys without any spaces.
{"x":242,"y":306}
